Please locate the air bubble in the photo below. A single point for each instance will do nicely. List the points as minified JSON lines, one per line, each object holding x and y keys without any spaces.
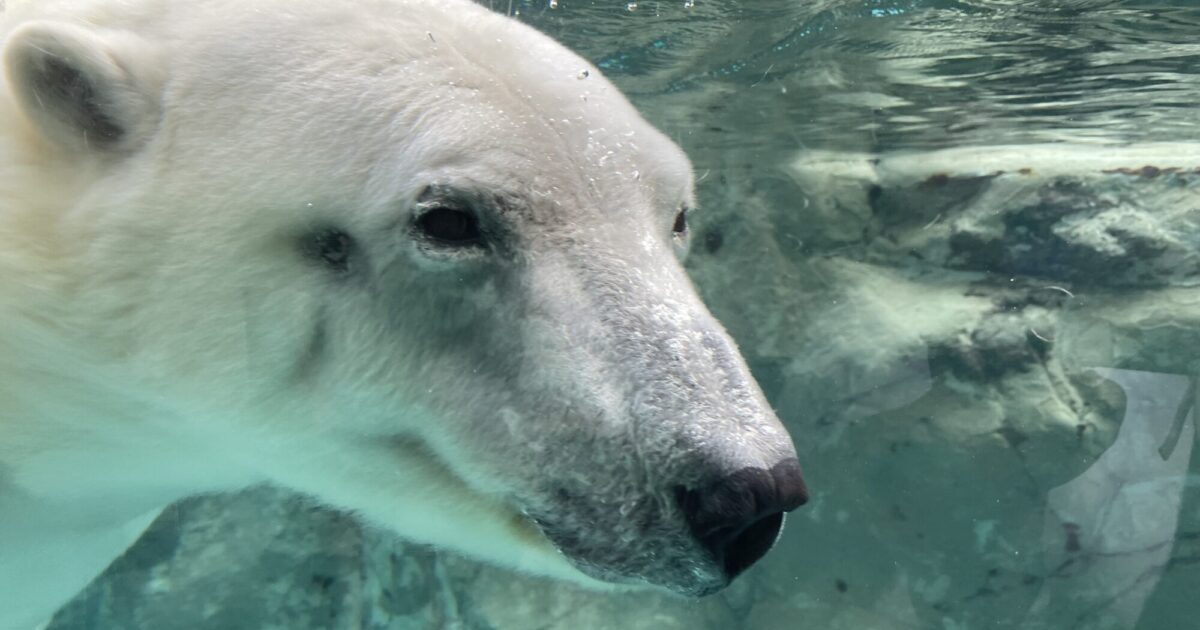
{"x":687,"y":4}
{"x":632,"y":6}
{"x":553,"y":4}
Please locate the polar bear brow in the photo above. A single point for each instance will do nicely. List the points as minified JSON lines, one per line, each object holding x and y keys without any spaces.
{"x":471,"y":196}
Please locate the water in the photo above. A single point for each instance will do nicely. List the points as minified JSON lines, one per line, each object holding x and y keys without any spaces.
{"x":968,"y":233}
{"x":958,"y":243}
{"x":895,"y":75}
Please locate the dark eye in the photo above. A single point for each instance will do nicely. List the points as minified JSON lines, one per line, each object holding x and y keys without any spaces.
{"x":450,"y":226}
{"x":331,"y":247}
{"x":681,"y":226}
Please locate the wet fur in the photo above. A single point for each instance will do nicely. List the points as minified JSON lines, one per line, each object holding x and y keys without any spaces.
{"x":162,"y":332}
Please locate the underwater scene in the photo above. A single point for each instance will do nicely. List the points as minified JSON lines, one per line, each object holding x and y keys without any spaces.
{"x":957,"y":243}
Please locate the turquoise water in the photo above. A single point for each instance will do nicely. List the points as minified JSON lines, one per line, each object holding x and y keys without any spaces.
{"x":893,"y":75}
{"x":958,"y":244}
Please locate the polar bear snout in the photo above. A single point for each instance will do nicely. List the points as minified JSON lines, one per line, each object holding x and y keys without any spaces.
{"x":738,"y":518}
{"x":669,"y":468}
{"x":691,"y":538}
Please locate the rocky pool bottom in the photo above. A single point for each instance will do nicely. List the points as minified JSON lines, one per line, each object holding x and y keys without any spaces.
{"x":987,"y":357}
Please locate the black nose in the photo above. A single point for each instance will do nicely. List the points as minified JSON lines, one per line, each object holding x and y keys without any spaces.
{"x":738,"y":517}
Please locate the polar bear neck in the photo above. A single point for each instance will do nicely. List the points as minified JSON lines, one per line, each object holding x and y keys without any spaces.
{"x":144,"y":465}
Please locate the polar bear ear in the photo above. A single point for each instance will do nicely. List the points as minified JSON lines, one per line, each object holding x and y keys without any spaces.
{"x":75,"y":87}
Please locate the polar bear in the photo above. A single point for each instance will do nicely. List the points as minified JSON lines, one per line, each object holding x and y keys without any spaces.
{"x":409,"y":257}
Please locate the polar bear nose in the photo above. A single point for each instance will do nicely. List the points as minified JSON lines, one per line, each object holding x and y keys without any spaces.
{"x":737,"y":519}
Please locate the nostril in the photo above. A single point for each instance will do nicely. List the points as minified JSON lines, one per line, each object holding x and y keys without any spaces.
{"x":751,"y":544}
{"x":738,"y":518}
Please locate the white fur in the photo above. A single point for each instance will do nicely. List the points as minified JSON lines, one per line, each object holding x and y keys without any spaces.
{"x":156,"y":319}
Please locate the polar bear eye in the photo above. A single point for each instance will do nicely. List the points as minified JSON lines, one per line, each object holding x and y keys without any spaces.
{"x":450,"y":226}
{"x":681,"y":226}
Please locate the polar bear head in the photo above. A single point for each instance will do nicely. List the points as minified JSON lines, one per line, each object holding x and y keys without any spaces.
{"x":411,"y":257}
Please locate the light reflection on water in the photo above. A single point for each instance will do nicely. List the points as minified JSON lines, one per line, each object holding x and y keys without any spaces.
{"x":882,"y":75}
